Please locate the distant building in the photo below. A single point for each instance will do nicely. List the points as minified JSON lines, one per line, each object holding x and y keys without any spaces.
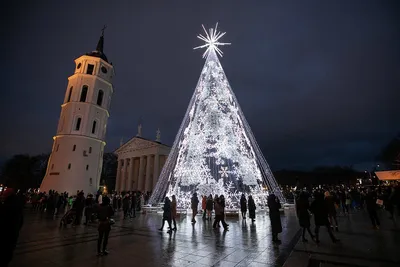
{"x":77,"y":156}
{"x":140,"y":162}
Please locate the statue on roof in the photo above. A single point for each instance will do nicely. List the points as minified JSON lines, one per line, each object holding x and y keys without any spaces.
{"x":158,"y":135}
{"x":139,"y":133}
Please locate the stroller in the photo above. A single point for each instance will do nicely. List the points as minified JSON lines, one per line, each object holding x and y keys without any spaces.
{"x":68,"y":218}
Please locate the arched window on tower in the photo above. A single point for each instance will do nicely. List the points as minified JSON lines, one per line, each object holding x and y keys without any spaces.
{"x":90,"y":69}
{"x":70,"y":94}
{"x":84,"y":93}
{"x":78,"y":124}
{"x":100,"y":97}
{"x":94,"y":127}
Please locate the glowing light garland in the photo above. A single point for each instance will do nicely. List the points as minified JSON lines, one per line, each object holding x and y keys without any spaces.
{"x":215,"y":151}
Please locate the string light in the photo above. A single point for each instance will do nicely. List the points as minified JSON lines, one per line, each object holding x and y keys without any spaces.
{"x":214,"y":151}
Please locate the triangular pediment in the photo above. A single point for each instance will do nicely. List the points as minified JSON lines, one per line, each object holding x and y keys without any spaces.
{"x":137,"y":143}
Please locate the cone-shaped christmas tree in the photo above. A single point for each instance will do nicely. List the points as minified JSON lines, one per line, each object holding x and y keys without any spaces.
{"x":215,"y":151}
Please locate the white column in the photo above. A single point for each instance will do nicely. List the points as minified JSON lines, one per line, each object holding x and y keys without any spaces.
{"x":130,"y":177}
{"x":148,"y":174}
{"x":156,"y":173}
{"x":118,"y":179}
{"x":141,"y":173}
{"x":123,"y":175}
{"x":135,"y":177}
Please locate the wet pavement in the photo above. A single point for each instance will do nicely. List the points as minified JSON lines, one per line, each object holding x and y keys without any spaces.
{"x":360,"y":245}
{"x":138,"y":242}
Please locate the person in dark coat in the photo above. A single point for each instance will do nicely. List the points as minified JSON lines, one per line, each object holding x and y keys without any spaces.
{"x":133,"y":205}
{"x":252,"y":208}
{"x":11,"y":221}
{"x":114,"y":201}
{"x":302,"y":209}
{"x":370,"y":203}
{"x":243,"y":206}
{"x":50,"y":203}
{"x":59,"y":203}
{"x":119,"y":202}
{"x":125,"y":205}
{"x":104,"y":213}
{"x":174,"y":211}
{"x":219,"y":207}
{"x":274,"y":215}
{"x":320,"y":211}
{"x":389,"y":202}
{"x":79,"y":205}
{"x":195,"y":203}
{"x":89,"y":203}
{"x":167,"y":214}
{"x":215,"y":200}
{"x":209,"y":206}
{"x":330,"y":206}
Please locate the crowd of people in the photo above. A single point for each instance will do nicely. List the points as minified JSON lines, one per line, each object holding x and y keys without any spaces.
{"x":328,"y":201}
{"x":54,"y":202}
{"x":323,"y":203}
{"x":96,"y":209}
{"x":216,"y":205}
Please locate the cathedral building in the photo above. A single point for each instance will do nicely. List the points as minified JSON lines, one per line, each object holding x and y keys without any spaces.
{"x":77,"y":155}
{"x":140,"y":162}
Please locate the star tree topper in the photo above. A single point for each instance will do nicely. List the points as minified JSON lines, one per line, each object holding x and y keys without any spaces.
{"x":211,"y":40}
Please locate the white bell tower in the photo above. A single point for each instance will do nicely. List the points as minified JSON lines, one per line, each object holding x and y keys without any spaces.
{"x":77,"y":156}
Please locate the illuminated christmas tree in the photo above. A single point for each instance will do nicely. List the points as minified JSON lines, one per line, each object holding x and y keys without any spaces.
{"x":215,"y":151}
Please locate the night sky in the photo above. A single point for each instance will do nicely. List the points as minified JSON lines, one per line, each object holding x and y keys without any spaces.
{"x":318,"y":81}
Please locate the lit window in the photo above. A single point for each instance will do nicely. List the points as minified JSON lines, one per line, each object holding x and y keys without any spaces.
{"x":78,"y":124}
{"x":69,"y":94}
{"x":84,"y":93}
{"x":69,"y":166}
{"x":90,"y":68}
{"x":100,"y":97}
{"x":87,"y":167}
{"x":94,"y":127}
{"x":90,"y":150}
{"x":73,"y":148}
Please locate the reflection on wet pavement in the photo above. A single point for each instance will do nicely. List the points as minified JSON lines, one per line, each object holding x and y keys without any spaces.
{"x":360,"y":245}
{"x":138,"y":242}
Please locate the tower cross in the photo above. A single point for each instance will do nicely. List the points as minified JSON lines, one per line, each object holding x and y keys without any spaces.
{"x":102,"y":30}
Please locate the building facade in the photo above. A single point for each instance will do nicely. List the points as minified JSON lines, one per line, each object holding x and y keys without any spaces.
{"x":77,"y":155}
{"x":140,"y":162}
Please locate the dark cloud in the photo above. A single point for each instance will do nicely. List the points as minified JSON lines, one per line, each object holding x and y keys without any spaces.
{"x":318,"y":82}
